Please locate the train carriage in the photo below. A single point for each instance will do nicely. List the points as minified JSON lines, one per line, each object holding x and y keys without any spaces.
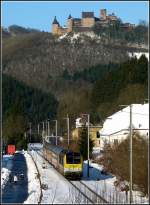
{"x":67,"y":162}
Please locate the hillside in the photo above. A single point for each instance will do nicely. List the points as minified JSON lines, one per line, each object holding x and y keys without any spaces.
{"x":32,"y":103}
{"x":45,"y":76}
{"x":84,"y":73}
{"x":39,"y":59}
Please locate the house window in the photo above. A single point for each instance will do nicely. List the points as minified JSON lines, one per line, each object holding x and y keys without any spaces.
{"x":97,"y":134}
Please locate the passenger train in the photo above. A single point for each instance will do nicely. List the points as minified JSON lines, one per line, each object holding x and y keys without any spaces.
{"x":67,"y":162}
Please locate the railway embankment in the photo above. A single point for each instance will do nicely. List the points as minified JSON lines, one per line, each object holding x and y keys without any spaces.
{"x":34,"y":181}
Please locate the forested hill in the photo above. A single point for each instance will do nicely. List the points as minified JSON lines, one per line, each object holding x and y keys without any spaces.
{"x":33,"y":104}
{"x":38,"y":58}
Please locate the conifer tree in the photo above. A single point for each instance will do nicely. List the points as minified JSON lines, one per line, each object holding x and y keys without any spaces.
{"x":83,"y":143}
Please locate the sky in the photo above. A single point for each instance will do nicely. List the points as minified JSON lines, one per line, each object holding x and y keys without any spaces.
{"x":40,"y":14}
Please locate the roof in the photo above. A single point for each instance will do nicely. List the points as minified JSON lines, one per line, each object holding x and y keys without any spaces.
{"x":87,"y":14}
{"x":57,"y":150}
{"x":69,"y":17}
{"x":55,"y":21}
{"x":121,"y":120}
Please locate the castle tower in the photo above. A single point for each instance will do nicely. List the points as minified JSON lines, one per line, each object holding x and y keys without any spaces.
{"x":55,"y":26}
{"x":88,"y":19}
{"x":69,"y":23}
{"x":103,"y":14}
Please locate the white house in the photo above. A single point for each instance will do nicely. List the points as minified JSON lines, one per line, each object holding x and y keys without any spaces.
{"x":116,"y":127}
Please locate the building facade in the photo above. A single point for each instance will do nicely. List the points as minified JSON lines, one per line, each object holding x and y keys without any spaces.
{"x":93,"y":131}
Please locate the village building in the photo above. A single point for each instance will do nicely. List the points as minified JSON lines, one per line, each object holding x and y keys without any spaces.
{"x":93,"y":131}
{"x":116,"y":127}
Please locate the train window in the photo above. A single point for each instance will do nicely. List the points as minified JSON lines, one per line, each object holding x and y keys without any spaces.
{"x":61,"y":159}
{"x":69,"y":158}
{"x":73,"y":158}
{"x":77,"y":158}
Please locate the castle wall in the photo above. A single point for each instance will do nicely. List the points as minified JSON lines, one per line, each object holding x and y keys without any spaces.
{"x":55,"y":28}
{"x":82,"y":29}
{"x":88,"y":22}
{"x":69,"y":25}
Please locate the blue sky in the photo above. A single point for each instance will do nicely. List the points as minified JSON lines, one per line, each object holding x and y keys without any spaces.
{"x":40,"y":15}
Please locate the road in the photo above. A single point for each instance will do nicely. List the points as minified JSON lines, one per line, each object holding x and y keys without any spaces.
{"x":17,"y":193}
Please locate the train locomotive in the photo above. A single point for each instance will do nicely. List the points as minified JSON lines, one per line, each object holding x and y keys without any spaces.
{"x":67,"y":162}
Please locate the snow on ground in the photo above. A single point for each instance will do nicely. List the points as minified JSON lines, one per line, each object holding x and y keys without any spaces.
{"x":104,"y":185}
{"x":75,"y":36}
{"x":6,"y":169}
{"x":33,"y":181}
{"x":59,"y":189}
{"x":138,"y":54}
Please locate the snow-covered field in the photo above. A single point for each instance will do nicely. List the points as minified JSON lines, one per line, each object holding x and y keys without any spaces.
{"x":6,"y":169}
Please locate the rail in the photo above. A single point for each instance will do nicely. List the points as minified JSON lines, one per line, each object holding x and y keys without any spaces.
{"x":95,"y":194}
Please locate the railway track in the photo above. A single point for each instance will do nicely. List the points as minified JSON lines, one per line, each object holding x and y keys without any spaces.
{"x":92,"y":195}
{"x":87,"y":195}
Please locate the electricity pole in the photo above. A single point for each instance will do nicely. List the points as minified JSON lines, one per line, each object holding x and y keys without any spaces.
{"x":43,"y":127}
{"x":30,"y":131}
{"x":56,"y":130}
{"x":88,"y":149}
{"x":48,"y":128}
{"x":38,"y":129}
{"x":67,"y":118}
{"x":68,"y":129}
{"x":131,"y":199}
{"x":43,"y":132}
{"x":130,"y":154}
{"x":88,"y":143}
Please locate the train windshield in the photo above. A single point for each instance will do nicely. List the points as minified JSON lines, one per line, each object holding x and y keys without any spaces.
{"x":73,"y":158}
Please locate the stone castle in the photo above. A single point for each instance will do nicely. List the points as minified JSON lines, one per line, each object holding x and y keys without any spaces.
{"x":86,"y":23}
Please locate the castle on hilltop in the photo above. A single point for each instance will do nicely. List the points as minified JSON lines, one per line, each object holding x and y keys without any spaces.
{"x":86,"y":23}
